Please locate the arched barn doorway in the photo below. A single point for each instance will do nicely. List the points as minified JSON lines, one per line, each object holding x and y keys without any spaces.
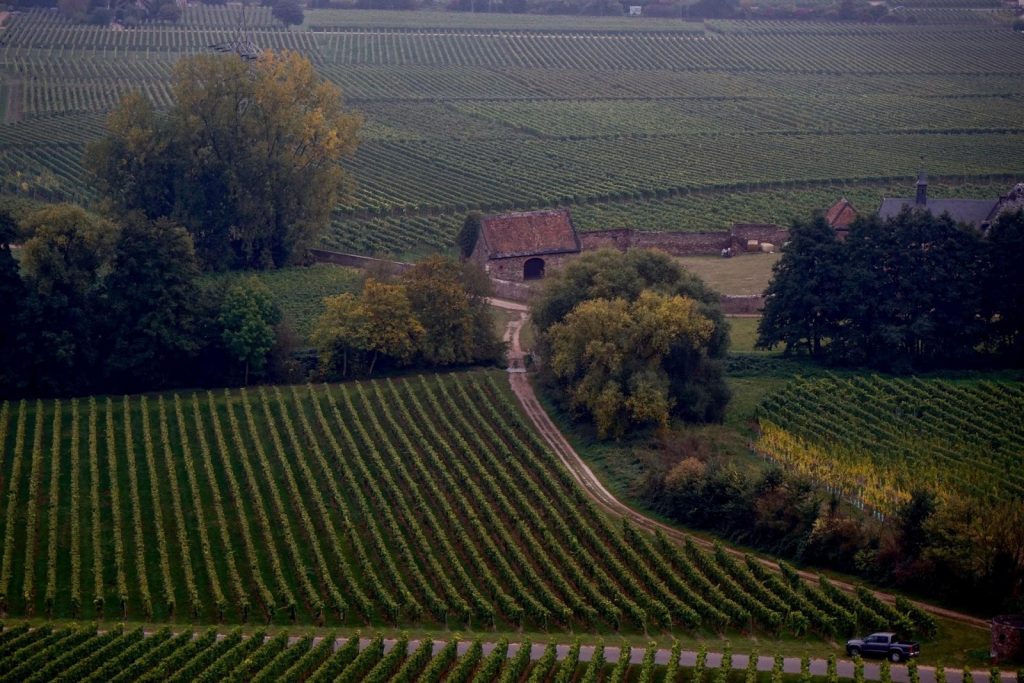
{"x":533,"y":269}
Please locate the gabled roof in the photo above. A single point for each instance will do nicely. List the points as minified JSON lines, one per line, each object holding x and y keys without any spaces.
{"x":974,"y":212}
{"x":841,"y":214}
{"x":528,"y":233}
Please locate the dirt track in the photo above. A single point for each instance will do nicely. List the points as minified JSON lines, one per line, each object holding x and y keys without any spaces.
{"x":586,"y":478}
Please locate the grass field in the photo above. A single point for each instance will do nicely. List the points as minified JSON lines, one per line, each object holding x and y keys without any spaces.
{"x":742,"y":274}
{"x":645,"y":124}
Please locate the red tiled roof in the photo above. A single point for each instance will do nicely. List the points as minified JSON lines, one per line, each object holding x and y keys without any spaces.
{"x":527,"y":233}
{"x":841,"y":214}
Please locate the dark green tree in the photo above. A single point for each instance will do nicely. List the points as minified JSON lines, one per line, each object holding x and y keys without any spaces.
{"x":248,"y":316}
{"x":802,"y":303}
{"x":150,"y":298}
{"x":912,"y":292}
{"x":63,"y":263}
{"x":12,"y":293}
{"x":468,"y":234}
{"x":1004,"y":285}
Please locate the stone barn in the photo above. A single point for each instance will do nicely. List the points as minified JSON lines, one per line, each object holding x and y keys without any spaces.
{"x":526,"y":245}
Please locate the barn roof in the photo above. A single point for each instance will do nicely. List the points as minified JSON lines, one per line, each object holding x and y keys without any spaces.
{"x":841,"y":214}
{"x":974,"y":212}
{"x":528,"y":233}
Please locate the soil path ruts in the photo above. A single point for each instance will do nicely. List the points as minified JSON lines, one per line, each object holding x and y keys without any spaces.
{"x":586,"y":478}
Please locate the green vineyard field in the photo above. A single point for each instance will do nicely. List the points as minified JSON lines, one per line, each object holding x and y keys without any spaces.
{"x":622,"y":121}
{"x":84,"y":654}
{"x":421,"y":501}
{"x":879,"y":439}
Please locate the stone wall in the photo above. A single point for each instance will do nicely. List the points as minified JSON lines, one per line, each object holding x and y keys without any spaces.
{"x":512,"y":268}
{"x":685,"y":243}
{"x":742,"y":304}
{"x":513,"y":291}
{"x":1008,"y":638}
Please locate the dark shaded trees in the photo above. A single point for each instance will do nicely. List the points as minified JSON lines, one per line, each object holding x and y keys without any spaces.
{"x":802,"y":303}
{"x":915,"y":291}
{"x":150,"y":299}
{"x":1004,"y":286}
{"x":247,"y":159}
{"x":12,"y":294}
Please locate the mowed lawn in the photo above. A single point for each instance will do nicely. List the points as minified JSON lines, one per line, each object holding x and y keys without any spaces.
{"x":743,"y":274}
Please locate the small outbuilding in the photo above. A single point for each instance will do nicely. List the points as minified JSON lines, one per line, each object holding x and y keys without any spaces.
{"x":839,"y":216}
{"x":525,"y":245}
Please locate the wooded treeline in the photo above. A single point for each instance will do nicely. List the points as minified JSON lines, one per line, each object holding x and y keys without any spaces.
{"x":909,"y":293}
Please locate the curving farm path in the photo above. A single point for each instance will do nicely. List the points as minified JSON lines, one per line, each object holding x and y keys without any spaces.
{"x":604,"y":498}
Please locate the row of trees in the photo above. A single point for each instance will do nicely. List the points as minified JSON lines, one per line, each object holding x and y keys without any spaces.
{"x":961,"y":548}
{"x":435,"y":315}
{"x":98,"y":305}
{"x":914,"y":291}
{"x":247,"y":159}
{"x":632,"y":339}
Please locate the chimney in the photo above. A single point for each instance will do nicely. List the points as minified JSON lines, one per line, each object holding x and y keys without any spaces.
{"x":922,"y":189}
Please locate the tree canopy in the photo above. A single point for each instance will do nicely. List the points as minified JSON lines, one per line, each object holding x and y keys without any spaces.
{"x":658,"y":336}
{"x":610,"y":354}
{"x":912,"y":291}
{"x":435,"y":315}
{"x":247,"y":159}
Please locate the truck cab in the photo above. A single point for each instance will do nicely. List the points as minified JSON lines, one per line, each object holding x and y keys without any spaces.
{"x":882,"y":645}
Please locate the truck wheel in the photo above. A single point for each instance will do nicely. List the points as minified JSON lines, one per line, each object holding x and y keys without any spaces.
{"x":853,"y":651}
{"x":896,"y":657}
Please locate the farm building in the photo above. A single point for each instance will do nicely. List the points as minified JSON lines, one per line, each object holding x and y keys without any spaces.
{"x":840,"y":215}
{"x":525,"y":245}
{"x":978,"y":213}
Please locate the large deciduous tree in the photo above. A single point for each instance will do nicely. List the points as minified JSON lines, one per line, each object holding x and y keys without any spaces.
{"x":1004,"y":291}
{"x":247,"y":158}
{"x":356,"y":332}
{"x":611,"y":354}
{"x":802,"y":303}
{"x":150,"y":304}
{"x":63,"y":264}
{"x":686,"y":376}
{"x":449,"y":300}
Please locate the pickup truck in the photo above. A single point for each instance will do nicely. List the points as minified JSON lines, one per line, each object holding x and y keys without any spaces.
{"x":882,"y":645}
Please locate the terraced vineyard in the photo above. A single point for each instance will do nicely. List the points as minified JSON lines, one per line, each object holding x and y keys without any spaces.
{"x":420,"y":501}
{"x":877,"y":439}
{"x":502,"y":112}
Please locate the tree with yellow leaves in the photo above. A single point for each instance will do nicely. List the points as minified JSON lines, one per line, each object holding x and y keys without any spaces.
{"x":609,"y":355}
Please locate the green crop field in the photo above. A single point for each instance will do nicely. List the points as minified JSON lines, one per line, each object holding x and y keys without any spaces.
{"x":878,"y":439}
{"x":422,"y":501}
{"x":663,"y":125}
